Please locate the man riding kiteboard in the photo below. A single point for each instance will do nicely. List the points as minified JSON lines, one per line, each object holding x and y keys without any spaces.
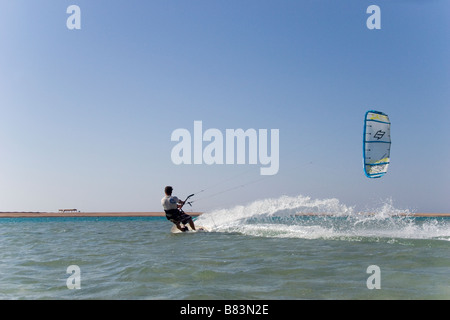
{"x":174,"y":212}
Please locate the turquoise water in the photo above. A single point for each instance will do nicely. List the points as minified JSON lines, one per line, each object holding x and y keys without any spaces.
{"x":247,"y":256}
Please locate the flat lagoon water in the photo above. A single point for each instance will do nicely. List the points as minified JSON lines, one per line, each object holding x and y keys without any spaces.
{"x":273,"y":257}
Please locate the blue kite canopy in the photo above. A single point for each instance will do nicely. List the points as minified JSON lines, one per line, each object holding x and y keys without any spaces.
{"x":376,"y":144}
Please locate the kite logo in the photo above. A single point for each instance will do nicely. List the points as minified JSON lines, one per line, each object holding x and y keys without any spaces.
{"x":379,"y":134}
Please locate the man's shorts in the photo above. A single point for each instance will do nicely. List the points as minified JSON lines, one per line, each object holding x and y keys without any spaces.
{"x":176,"y":216}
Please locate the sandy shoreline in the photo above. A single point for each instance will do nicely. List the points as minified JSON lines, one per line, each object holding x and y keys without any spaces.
{"x":154,"y":214}
{"x":371,"y":214}
{"x":84,"y":214}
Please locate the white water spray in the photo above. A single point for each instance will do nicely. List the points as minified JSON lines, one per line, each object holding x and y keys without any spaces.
{"x":306,"y":218}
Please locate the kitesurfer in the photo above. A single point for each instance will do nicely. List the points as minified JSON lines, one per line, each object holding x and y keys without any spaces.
{"x":174,"y":212}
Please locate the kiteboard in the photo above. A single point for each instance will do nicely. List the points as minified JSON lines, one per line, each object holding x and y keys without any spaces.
{"x":174,"y":229}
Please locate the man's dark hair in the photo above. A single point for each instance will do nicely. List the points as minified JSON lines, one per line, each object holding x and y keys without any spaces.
{"x":168,"y":190}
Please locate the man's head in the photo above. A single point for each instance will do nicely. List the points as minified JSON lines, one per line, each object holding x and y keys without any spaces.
{"x":168,"y":190}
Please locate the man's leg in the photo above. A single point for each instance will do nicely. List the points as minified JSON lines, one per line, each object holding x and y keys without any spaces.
{"x":191,"y":223}
{"x":178,"y":224}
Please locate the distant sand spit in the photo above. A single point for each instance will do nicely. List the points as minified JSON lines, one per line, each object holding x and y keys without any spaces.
{"x":153,"y":214}
{"x":85,"y":214}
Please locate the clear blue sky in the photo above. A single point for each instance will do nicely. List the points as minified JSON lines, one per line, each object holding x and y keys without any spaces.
{"x":86,"y":115}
